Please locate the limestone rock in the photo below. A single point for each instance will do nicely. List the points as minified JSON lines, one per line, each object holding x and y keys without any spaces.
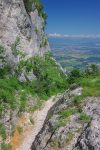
{"x":71,"y":132}
{"x":15,"y":22}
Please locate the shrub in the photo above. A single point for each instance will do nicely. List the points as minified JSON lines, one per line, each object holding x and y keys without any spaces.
{"x":28,"y":4}
{"x":50,"y":78}
{"x":44,"y":16}
{"x":14,"y":47}
{"x":2,"y":54}
{"x":94,"y":68}
{"x":23,"y":98}
{"x":4,"y":67}
{"x":91,"y":70}
{"x":8,"y":90}
{"x":38,"y":6}
{"x":73,"y":76}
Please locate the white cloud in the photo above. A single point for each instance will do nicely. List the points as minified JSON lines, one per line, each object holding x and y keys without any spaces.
{"x":55,"y":35}
{"x":73,"y":36}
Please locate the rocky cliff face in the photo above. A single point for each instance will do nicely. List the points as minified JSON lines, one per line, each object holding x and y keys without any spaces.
{"x":16,"y":25}
{"x":21,"y":35}
{"x":71,"y":127}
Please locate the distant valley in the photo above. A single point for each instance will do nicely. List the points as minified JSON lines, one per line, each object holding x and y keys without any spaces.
{"x":74,"y":52}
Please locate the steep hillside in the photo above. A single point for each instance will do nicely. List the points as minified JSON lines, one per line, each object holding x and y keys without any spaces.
{"x":28,"y":26}
{"x":74,"y":121}
{"x":29,"y":76}
{"x":28,"y":73}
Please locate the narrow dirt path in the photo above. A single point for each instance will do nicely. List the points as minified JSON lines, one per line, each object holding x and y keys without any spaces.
{"x":39,"y":118}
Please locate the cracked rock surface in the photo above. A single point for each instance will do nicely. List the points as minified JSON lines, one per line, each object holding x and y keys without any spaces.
{"x":79,"y":130}
{"x":16,"y":22}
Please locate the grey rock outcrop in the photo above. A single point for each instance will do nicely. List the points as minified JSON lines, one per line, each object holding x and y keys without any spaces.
{"x":15,"y":22}
{"x":90,"y":137}
{"x":21,"y":34}
{"x":79,"y":130}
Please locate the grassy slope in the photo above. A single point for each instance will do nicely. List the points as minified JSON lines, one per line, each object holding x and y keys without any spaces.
{"x":50,"y":81}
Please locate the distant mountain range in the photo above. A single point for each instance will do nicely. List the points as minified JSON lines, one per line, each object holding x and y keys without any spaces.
{"x":73,"y":35}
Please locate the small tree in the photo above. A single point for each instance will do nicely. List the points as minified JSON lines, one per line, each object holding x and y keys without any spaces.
{"x":94,"y":68}
{"x":91,"y":70}
{"x":73,"y":76}
{"x":4,"y":66}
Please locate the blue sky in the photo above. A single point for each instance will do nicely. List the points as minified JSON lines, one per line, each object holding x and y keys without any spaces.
{"x":73,"y":16}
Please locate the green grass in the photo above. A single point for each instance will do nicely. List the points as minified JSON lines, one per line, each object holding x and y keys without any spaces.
{"x":5,"y":146}
{"x":91,"y":85}
{"x":8,"y":90}
{"x":68,"y":112}
{"x":61,"y":123}
{"x":2,"y":132}
{"x":20,"y":130}
{"x":49,"y":81}
{"x":84,"y":118}
{"x":69,"y":137}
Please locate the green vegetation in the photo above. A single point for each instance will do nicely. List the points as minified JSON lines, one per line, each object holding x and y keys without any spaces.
{"x":2,"y":55}
{"x":73,"y":76}
{"x":84,"y":117}
{"x":44,"y":42}
{"x":89,"y":80}
{"x":61,"y":123}
{"x":36,"y":30}
{"x":64,"y":116}
{"x":4,"y":67}
{"x":91,"y":85}
{"x":14,"y":47}
{"x":69,"y":137}
{"x":38,"y":6}
{"x":8,"y":88}
{"x":2,"y":132}
{"x":49,"y":81}
{"x":68,"y":112}
{"x":20,"y":130}
{"x":5,"y":146}
{"x":91,"y":70}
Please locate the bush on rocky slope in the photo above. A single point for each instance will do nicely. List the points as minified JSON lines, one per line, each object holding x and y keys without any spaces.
{"x":38,"y":5}
{"x":49,"y":81}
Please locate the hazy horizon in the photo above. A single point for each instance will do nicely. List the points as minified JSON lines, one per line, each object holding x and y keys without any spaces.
{"x":57,"y":35}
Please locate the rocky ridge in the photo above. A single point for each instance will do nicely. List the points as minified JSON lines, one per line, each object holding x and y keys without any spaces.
{"x":71,"y":127}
